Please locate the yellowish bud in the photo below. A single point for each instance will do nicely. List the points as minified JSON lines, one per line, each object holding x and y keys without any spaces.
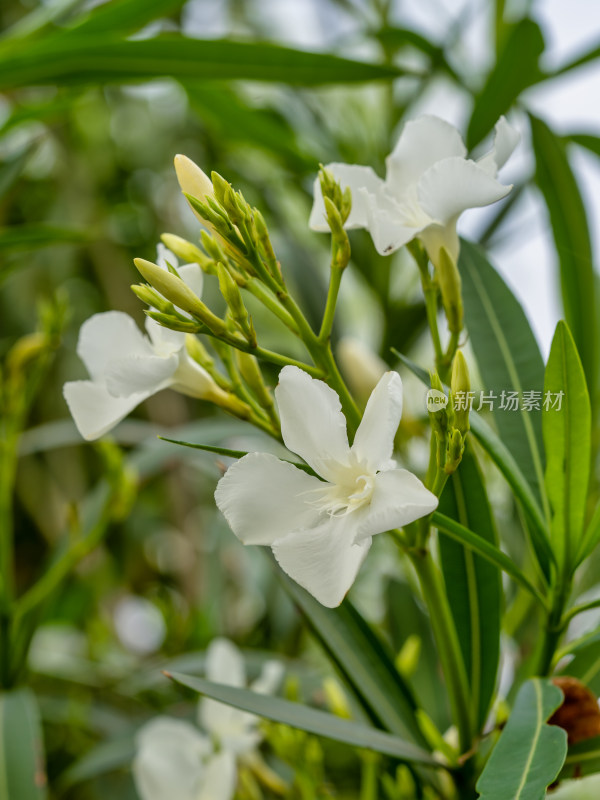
{"x":25,"y":350}
{"x":192,"y":179}
{"x":188,"y":252}
{"x":460,"y":384}
{"x":407,"y":659}
{"x":233,"y":297}
{"x":152,"y":298}
{"x":336,"y":699}
{"x":251,"y":373}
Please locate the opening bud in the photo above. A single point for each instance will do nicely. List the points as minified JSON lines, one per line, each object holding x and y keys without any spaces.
{"x":450,"y":287}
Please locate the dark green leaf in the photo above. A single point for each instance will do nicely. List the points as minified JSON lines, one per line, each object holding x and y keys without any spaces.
{"x":393,"y":38}
{"x":494,"y":555}
{"x":583,"y":758}
{"x":22,"y":771}
{"x":11,"y":168}
{"x":567,"y":438}
{"x":122,"y":16}
{"x":308,"y":719}
{"x":585,"y":664}
{"x":101,"y":59}
{"x":473,"y":584}
{"x":508,"y":358}
{"x":571,"y":235}
{"x":591,"y":536}
{"x":515,"y":69}
{"x":529,"y":753}
{"x":587,"y":140}
{"x":363,"y":661}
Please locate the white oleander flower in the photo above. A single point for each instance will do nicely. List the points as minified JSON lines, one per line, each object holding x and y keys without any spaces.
{"x":320,"y":531}
{"x":177,"y":760}
{"x":126,"y":367}
{"x":429,"y":183}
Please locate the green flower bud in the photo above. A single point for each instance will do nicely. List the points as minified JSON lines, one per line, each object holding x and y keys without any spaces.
{"x":173,"y":322}
{"x":438,"y":412}
{"x":450,"y":287}
{"x":460,"y":384}
{"x":233,"y":297}
{"x":252,"y":375}
{"x":455,"y":447}
{"x":152,"y":298}
{"x":188,"y":252}
{"x":341,"y":243}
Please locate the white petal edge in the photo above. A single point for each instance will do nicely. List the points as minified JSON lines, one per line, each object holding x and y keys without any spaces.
{"x":263,"y":498}
{"x":506,"y":138}
{"x":398,"y":499}
{"x":94,"y":410}
{"x":356,"y":178}
{"x":386,"y":224}
{"x":225,"y":663}
{"x":312,"y":422}
{"x":107,"y":336}
{"x":135,"y":374}
{"x":453,"y":185}
{"x":374,"y":439}
{"x":422,"y":143}
{"x":323,"y":560}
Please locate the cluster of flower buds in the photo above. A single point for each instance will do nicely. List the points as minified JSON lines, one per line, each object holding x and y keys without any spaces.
{"x":450,"y":421}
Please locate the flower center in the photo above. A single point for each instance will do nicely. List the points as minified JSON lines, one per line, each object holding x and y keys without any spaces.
{"x":353,"y":490}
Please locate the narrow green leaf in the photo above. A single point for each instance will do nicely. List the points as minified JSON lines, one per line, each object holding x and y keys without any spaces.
{"x":11,"y":168}
{"x":590,"y":55}
{"x":308,"y":719}
{"x":585,"y":664}
{"x":515,"y":69}
{"x":85,"y":60}
{"x":122,"y":16}
{"x":394,"y":38}
{"x":22,"y":771}
{"x":507,"y":465}
{"x":34,"y":235}
{"x":587,"y":140}
{"x":509,"y":360}
{"x":570,"y":230}
{"x":591,"y":536}
{"x":567,"y":439}
{"x":363,"y":661}
{"x":529,"y":753}
{"x":473,"y":584}
{"x":494,"y":555}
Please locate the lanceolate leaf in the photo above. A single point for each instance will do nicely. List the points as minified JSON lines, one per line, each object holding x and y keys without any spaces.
{"x":570,"y":230}
{"x":363,"y":660}
{"x":35,"y":235}
{"x":591,"y":536}
{"x":22,"y":772}
{"x":122,"y":16}
{"x":515,"y":69}
{"x":567,"y":438}
{"x":585,"y":664}
{"x":98,"y":59}
{"x":473,"y":584}
{"x":308,"y":719}
{"x":529,"y":753}
{"x":493,"y":554}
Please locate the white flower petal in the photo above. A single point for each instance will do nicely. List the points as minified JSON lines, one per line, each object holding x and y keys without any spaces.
{"x":387,"y":224}
{"x":312,"y":422}
{"x":134,"y":374}
{"x":192,"y":276}
{"x":374,"y":440}
{"x":219,"y":780}
{"x":165,"y":256}
{"x":225,"y":663}
{"x":169,"y":760}
{"x":164,"y":340}
{"x":399,"y":498}
{"x":191,"y":379}
{"x":263,"y":498}
{"x":270,"y":678}
{"x":106,"y":335}
{"x":355,"y":177}
{"x":435,"y":236}
{"x":323,"y":560}
{"x":94,"y":410}
{"x":453,"y":185}
{"x":505,"y":140}
{"x":422,"y":143}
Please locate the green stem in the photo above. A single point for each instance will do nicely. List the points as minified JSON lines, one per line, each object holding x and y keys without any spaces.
{"x":335,"y":280}
{"x":555,"y":627}
{"x":270,"y":301}
{"x":444,"y":631}
{"x":430,"y":291}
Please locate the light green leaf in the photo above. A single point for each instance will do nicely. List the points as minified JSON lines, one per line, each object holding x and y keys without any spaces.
{"x":363,"y":661}
{"x":122,"y":16}
{"x":567,"y":439}
{"x":105,"y":757}
{"x":591,"y":536}
{"x":473,"y":584}
{"x":80,"y":60}
{"x":494,"y":555}
{"x":515,"y":69}
{"x":308,"y":719}
{"x":22,"y":771}
{"x":529,"y":753}
{"x":570,"y":230}
{"x":34,"y":235}
{"x":393,"y":38}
